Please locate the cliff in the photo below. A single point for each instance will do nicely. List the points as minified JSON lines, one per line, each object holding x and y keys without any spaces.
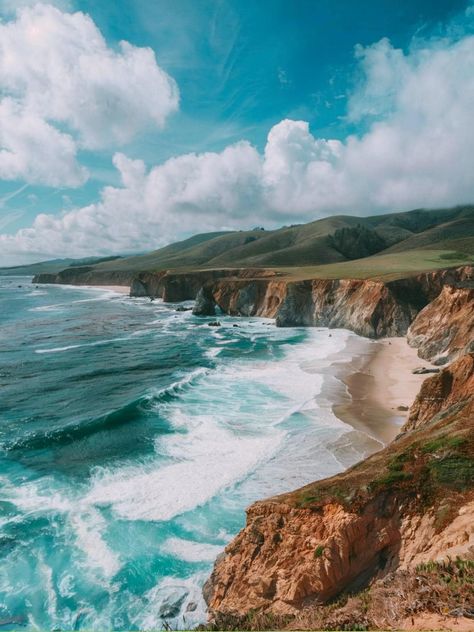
{"x":445,"y":327}
{"x":453,"y":386}
{"x":369,"y":307}
{"x":407,"y":505}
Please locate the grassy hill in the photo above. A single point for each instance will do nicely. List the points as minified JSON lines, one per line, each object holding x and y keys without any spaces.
{"x":327,"y":242}
{"x":52,"y":266}
{"x":338,"y":246}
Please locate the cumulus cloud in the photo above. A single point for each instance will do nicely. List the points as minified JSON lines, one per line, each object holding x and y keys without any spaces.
{"x":416,"y":108}
{"x":190,"y":192}
{"x":71,"y":91}
{"x":33,"y":150}
{"x":417,"y":151}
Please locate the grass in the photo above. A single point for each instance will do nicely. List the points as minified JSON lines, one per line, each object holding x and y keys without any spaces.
{"x":388,"y":267}
{"x":444,"y":443}
{"x":456,"y":472}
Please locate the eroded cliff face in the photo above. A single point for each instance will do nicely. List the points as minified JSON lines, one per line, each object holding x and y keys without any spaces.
{"x":444,"y":329}
{"x":410,"y":503}
{"x":369,"y":308}
{"x":452,"y":386}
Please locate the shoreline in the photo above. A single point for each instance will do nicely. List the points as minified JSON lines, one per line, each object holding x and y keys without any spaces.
{"x":120,"y":289}
{"x":379,"y":387}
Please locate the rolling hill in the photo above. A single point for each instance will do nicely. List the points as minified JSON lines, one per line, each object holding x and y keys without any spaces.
{"x":330,"y":247}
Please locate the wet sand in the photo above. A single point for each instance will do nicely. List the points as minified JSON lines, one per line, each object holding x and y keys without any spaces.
{"x":380,"y":387}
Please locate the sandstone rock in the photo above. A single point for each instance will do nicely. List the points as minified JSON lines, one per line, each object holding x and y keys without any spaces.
{"x":452,"y":385}
{"x":444,"y":329}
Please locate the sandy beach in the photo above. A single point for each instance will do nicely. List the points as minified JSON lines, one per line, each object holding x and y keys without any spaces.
{"x":380,"y":388}
{"x":122,"y":289}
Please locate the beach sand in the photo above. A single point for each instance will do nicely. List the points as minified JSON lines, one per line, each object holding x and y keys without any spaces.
{"x":122,"y":289}
{"x":380,"y":388}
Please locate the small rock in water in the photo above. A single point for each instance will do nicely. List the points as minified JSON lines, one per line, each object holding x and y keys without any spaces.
{"x":181,"y":308}
{"x":402,"y":408}
{"x":421,"y":370}
{"x":191,"y":607}
{"x":214,"y":323}
{"x":171,"y":607}
{"x":235,"y":325}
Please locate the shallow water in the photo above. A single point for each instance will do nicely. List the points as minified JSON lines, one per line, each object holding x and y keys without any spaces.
{"x":132,"y":437}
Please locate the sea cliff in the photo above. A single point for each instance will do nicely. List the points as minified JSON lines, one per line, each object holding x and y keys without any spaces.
{"x":407,"y":505}
{"x":369,"y":307}
{"x":392,"y":524}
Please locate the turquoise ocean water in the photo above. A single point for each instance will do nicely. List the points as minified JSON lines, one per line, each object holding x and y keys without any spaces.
{"x":132,"y":437}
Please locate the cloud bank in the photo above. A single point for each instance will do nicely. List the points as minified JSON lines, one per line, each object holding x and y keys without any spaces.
{"x":64,"y":90}
{"x":415,"y":106}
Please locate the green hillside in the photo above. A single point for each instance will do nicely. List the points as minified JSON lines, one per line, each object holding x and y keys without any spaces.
{"x":343,"y":245}
{"x":328,"y":241}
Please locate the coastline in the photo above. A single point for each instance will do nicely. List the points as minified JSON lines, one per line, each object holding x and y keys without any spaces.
{"x":379,"y":386}
{"x":120,"y":289}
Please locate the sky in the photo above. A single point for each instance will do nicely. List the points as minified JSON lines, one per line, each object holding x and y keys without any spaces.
{"x":128,"y":124}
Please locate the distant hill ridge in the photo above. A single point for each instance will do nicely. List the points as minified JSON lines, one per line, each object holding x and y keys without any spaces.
{"x":328,"y":241}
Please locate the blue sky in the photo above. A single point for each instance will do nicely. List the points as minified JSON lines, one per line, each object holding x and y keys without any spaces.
{"x":241,"y":67}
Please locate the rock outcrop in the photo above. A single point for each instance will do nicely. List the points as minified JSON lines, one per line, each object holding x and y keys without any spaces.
{"x":452,"y":386}
{"x":411,"y":503}
{"x":444,"y":329}
{"x":368,"y":308}
{"x":205,"y":304}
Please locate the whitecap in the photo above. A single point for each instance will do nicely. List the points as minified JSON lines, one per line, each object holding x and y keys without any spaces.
{"x":206,"y":460}
{"x":191,"y":551}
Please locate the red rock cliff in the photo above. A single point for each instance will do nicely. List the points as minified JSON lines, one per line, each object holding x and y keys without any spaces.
{"x":445,"y":327}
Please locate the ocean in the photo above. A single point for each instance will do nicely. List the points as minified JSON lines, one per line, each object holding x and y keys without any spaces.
{"x":132,"y":438}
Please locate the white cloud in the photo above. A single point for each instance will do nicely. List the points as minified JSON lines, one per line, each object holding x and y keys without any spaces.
{"x":33,"y":150}
{"x":191,"y":192}
{"x":417,"y":152}
{"x":67,"y":88}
